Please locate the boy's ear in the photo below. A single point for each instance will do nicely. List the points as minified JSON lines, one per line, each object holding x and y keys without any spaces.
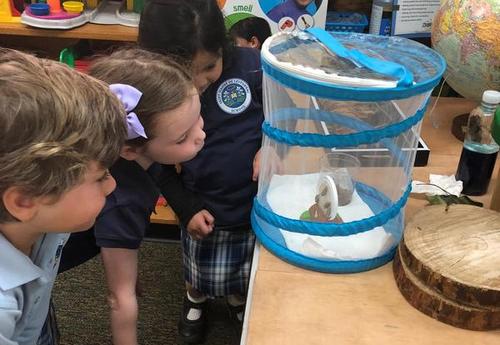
{"x":130,"y":153}
{"x":254,"y":42}
{"x":19,"y":205}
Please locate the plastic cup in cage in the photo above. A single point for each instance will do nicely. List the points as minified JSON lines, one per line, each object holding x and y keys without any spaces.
{"x":342,"y":169}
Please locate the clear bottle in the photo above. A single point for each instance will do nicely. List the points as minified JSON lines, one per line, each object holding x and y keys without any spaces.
{"x":480,"y":150}
{"x":381,"y":17}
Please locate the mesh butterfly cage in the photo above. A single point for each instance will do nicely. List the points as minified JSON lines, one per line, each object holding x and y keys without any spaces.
{"x":342,"y":122}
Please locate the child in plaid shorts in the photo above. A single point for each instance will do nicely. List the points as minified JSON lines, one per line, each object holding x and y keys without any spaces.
{"x":213,"y":195}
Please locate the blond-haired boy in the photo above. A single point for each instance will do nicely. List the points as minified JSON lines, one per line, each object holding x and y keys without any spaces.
{"x":59,"y":132}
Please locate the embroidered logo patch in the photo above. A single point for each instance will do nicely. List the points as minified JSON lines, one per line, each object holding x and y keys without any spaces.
{"x":234,"y":96}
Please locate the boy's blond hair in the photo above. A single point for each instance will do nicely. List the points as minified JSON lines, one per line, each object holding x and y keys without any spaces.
{"x":53,"y":122}
{"x":165,"y":84}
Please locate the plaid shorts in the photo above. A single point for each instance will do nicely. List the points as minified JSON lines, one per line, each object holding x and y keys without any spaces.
{"x":219,"y":265}
{"x":50,"y":332}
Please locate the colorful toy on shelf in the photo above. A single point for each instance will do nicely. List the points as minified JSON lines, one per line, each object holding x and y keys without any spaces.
{"x":53,"y":17}
{"x":70,"y":57}
{"x":75,"y":7}
{"x":40,"y":9}
{"x":55,"y":6}
{"x":8,"y":12}
{"x":77,"y":13}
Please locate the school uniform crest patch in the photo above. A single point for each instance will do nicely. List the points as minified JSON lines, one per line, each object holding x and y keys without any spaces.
{"x":234,"y":96}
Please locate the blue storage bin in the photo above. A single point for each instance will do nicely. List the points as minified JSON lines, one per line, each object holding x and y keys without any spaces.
{"x":346,"y":21}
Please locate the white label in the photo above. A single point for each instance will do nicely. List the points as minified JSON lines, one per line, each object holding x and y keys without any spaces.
{"x":415,"y":16}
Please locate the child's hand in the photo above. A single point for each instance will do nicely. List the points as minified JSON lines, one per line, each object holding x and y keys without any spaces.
{"x":256,"y":166}
{"x":200,"y":225}
{"x":274,"y":160}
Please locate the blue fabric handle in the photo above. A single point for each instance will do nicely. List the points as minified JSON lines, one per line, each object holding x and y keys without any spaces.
{"x":403,"y":75}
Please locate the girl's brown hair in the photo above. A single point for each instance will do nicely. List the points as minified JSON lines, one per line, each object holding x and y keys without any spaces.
{"x":53,"y":122}
{"x":164,"y":83}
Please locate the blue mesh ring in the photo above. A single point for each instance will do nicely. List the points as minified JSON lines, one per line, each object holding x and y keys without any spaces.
{"x":283,"y":114}
{"x":327,"y":266}
{"x":333,"y":229}
{"x":368,"y":135}
{"x":339,"y":119}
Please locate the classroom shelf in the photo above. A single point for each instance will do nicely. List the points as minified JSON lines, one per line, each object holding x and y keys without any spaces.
{"x":87,"y":31}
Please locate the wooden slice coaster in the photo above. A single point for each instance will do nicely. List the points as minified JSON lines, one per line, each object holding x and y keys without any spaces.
{"x":456,"y":252}
{"x":439,"y":307}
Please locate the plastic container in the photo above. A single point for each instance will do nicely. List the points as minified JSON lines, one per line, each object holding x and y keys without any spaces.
{"x":381,"y":17}
{"x":40,"y":9}
{"x":326,"y":92}
{"x":73,"y":6}
{"x":341,"y":169}
{"x":346,"y":21}
{"x":55,"y":6}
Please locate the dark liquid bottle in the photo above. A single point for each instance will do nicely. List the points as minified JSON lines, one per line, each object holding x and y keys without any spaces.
{"x":480,"y":150}
{"x":475,"y":169}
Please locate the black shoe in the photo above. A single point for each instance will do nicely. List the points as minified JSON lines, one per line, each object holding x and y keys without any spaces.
{"x":192,"y":331}
{"x":234,"y":311}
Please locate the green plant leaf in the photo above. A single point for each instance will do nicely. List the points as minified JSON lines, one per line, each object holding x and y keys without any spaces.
{"x":452,"y":199}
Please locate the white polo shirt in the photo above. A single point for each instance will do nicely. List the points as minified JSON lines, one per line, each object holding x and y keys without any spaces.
{"x":25,"y":287}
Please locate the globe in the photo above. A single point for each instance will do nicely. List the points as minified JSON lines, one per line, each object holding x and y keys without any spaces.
{"x":467,"y":34}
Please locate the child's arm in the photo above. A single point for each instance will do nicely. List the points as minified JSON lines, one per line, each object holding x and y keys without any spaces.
{"x":119,"y":231}
{"x":186,"y":205}
{"x":120,"y":265}
{"x":256,"y":166}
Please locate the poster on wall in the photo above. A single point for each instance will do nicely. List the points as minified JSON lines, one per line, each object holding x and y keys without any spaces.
{"x":282,"y":15}
{"x":413,"y":17}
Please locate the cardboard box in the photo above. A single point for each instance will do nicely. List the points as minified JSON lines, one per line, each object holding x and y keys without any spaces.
{"x":282,"y":15}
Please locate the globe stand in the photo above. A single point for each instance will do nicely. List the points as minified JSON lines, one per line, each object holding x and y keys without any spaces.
{"x":459,"y":126}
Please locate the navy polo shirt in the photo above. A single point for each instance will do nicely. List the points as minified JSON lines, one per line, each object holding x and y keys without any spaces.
{"x":221,"y":173}
{"x":124,"y":219}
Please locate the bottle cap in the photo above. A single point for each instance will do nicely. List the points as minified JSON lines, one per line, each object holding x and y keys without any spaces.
{"x":491,"y":97}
